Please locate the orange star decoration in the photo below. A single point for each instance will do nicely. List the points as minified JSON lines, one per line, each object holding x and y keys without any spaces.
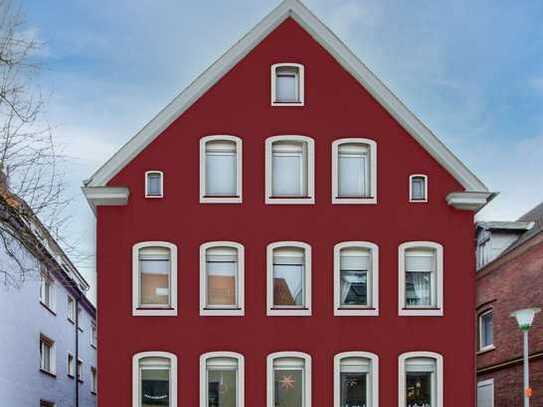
{"x":529,"y":392}
{"x":287,"y":382}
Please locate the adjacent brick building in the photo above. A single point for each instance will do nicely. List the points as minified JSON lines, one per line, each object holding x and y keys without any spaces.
{"x":509,"y":279}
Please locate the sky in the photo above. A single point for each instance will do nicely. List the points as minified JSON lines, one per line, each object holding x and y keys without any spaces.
{"x":471,"y":70}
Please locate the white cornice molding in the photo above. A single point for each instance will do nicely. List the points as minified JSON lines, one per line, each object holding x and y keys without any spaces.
{"x":469,"y":201}
{"x":106,"y":196}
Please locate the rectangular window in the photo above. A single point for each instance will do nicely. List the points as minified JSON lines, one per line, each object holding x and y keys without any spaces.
{"x":94,"y":335}
{"x":222,"y":377}
{"x":71,"y":365}
{"x":221,"y":169}
{"x":420,"y":270}
{"x":287,"y":86}
{"x":289,"y":169}
{"x":354,"y":382}
{"x":419,"y":188}
{"x":289,"y":382}
{"x":93,"y":380}
{"x":155,"y":385}
{"x":420,"y":382}
{"x":47,"y":291}
{"x":80,"y":370}
{"x":486,"y":329}
{"x":71,"y":308}
{"x":153,"y":184}
{"x":155,"y":269}
{"x":47,"y":355}
{"x":485,"y":393}
{"x":45,"y":403}
{"x":222,"y":275}
{"x":353,"y":170}
{"x":355,"y":273}
{"x":288,"y":277}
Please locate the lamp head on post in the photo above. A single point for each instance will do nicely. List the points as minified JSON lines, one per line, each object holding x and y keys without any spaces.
{"x":525,"y":317}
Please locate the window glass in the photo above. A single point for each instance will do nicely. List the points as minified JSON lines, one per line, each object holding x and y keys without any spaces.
{"x":287,"y":84}
{"x":155,"y":268}
{"x":289,"y":384}
{"x":288,"y":277}
{"x":420,"y":382}
{"x":154,"y":184}
{"x":353,"y":170}
{"x":71,"y":309}
{"x":154,"y":382}
{"x":354,"y":277}
{"x":222,"y":382}
{"x":222,"y":270}
{"x":354,"y":382}
{"x":46,"y":291}
{"x":418,"y":188}
{"x":93,"y":379}
{"x":71,"y":370}
{"x":221,"y":168}
{"x":420,"y":265}
{"x":289,"y":169}
{"x":485,"y":395}
{"x":46,"y":354}
{"x":486,"y":329}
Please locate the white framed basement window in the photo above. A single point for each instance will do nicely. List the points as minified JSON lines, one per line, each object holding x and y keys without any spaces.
{"x":287,"y":84}
{"x":420,"y":379}
{"x":418,"y":188}
{"x":356,"y":379}
{"x":354,"y":171}
{"x":154,"y":279}
{"x":420,"y":277}
{"x":486,"y":330}
{"x":290,"y":170}
{"x":289,"y":379}
{"x":222,"y":282}
{"x":222,"y":380}
{"x":154,"y":379}
{"x":356,"y":279}
{"x":154,"y":184}
{"x":288,"y":279}
{"x":221,"y":169}
{"x":47,"y":355}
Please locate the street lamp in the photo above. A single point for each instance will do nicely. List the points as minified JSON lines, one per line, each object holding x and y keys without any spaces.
{"x":525,"y":318}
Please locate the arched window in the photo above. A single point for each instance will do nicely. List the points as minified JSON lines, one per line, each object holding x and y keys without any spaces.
{"x":354,"y":171}
{"x":289,"y":379}
{"x":289,"y":278}
{"x":418,"y":188}
{"x":420,"y":379}
{"x":222,"y":380}
{"x":356,"y":279}
{"x":420,"y":279}
{"x":154,"y":379}
{"x":220,"y":169}
{"x":287,"y":84}
{"x":356,"y":379}
{"x":154,"y":282}
{"x":221,"y":278}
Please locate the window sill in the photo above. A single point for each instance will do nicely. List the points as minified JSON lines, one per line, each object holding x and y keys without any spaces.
{"x":93,"y":345}
{"x":71,"y":320}
{"x":289,"y":312}
{"x":418,"y":201}
{"x":354,"y":200}
{"x":292,"y":200}
{"x":154,"y":312}
{"x":48,"y":308}
{"x":48,"y":373}
{"x":486,"y":349}
{"x":154,"y":196}
{"x":209,"y":199}
{"x":93,"y":393}
{"x":356,"y":312}
{"x":222,"y":312}
{"x":421,"y":312}
{"x":280,"y":104}
{"x":71,"y":376}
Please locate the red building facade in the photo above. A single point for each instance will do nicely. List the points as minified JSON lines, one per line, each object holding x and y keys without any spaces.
{"x":286,"y":233}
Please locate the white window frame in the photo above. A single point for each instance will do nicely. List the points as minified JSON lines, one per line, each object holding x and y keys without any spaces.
{"x":94,"y":380}
{"x":374,"y":373}
{"x":52,"y":356}
{"x":136,"y":309}
{"x":430,"y":312}
{"x":411,"y":199}
{"x":270,"y":309}
{"x":147,"y":195}
{"x":94,"y":335}
{"x":310,"y":199}
{"x":484,"y":383}
{"x":70,"y":308}
{"x":301,"y":85}
{"x":240,"y":280}
{"x":70,"y":367}
{"x":372,"y":145}
{"x":79,"y":370}
{"x":270,"y":388}
{"x":373,"y":308}
{"x":438,"y":375}
{"x":51,"y":306}
{"x":239,"y":170}
{"x":480,"y":330}
{"x":136,"y":375}
{"x":240,"y":376}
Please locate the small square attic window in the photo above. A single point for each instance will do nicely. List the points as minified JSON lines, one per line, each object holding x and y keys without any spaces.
{"x":287,"y":85}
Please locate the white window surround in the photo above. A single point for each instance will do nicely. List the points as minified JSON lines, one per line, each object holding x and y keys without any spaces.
{"x":483,"y":348}
{"x":239,"y":310}
{"x":372,"y":199}
{"x":373,"y":308}
{"x":136,"y":375}
{"x":70,"y":302}
{"x":310,"y":173}
{"x":70,"y":367}
{"x":438,"y":376}
{"x":434,"y":311}
{"x":270,"y":375}
{"x":374,"y":374}
{"x":301,"y":80}
{"x":240,"y":375}
{"x":486,"y":383}
{"x":147,"y":195}
{"x":136,"y":309}
{"x":425,"y":177}
{"x":47,"y":344}
{"x":270,"y":309}
{"x":93,"y":335}
{"x":48,"y":292}
{"x":239,"y":170}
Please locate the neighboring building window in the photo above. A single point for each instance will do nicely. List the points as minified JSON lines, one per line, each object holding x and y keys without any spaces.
{"x":94,"y":335}
{"x":222,"y":380}
{"x":80,"y":370}
{"x":486,"y":335}
{"x":220,"y":169}
{"x":93,"y":380}
{"x":485,"y":393}
{"x":287,"y":85}
{"x":71,"y":365}
{"x":421,"y":279}
{"x":421,"y":379}
{"x":356,"y":279}
{"x":47,"y":355}
{"x":290,"y":170}
{"x":289,"y":379}
{"x":154,"y":376}
{"x":154,"y":184}
{"x":154,"y":279}
{"x":71,"y":308}
{"x":47,"y":291}
{"x":289,"y":278}
{"x":418,"y":188}
{"x":354,"y":171}
{"x":45,"y":403}
{"x":221,"y":278}
{"x":356,"y":379}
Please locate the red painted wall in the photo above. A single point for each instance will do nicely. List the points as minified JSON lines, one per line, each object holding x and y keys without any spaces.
{"x":336,"y":107}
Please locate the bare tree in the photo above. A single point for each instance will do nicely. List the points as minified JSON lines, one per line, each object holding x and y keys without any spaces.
{"x":31,"y":185}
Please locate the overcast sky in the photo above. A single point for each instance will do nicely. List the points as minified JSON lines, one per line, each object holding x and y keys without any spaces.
{"x":471,"y":70}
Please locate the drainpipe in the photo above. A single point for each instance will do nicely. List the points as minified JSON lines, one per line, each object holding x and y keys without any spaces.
{"x":77,"y":351}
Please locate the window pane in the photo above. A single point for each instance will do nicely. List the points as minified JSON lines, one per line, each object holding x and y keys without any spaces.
{"x":353,"y":175}
{"x":418,"y":188}
{"x":155,"y":387}
{"x":354,"y":287}
{"x":153,"y":184}
{"x":221,"y":387}
{"x":418,"y":289}
{"x":221,"y":266}
{"x":486,"y":331}
{"x":288,"y":174}
{"x":288,"y":277}
{"x":286,"y":85}
{"x":155,"y":267}
{"x":354,"y":390}
{"x":419,"y":389}
{"x":288,"y":388}
{"x":221,"y":176}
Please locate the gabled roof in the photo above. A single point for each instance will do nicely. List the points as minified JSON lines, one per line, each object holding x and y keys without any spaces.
{"x":327,"y":39}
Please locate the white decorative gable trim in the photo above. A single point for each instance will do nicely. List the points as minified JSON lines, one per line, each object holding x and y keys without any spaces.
{"x":469,"y":201}
{"x":106,"y":196}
